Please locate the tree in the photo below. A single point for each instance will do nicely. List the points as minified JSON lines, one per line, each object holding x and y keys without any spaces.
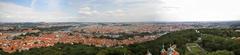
{"x":221,"y":52}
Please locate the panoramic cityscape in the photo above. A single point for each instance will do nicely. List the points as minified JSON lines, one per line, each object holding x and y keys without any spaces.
{"x":119,"y":27}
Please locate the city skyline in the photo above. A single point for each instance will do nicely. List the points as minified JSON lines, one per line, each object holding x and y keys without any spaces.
{"x":118,"y":10}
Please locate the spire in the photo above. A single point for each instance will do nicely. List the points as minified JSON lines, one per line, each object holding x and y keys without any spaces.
{"x":163,"y":46}
{"x":163,"y":51}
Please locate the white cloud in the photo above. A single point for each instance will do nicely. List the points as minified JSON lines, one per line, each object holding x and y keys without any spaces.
{"x":116,"y":13}
{"x":33,"y":3}
{"x":199,"y":10}
{"x":133,"y":14}
{"x":132,"y":10}
{"x":16,"y":13}
{"x":89,"y":12}
{"x":12,"y":11}
{"x":125,"y":10}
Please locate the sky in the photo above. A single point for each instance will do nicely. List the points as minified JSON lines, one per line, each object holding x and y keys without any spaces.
{"x":118,"y":10}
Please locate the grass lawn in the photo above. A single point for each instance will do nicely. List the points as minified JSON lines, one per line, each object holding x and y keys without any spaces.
{"x":194,"y":48}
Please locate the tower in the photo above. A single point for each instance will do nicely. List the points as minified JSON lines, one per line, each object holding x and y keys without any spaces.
{"x":163,"y":51}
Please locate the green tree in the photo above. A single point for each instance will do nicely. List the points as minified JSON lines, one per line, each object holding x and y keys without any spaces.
{"x":221,"y":52}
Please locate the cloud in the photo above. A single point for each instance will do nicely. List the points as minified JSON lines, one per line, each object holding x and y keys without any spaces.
{"x":89,"y":12}
{"x":121,"y":15}
{"x":10,"y":10}
{"x":16,"y":13}
{"x":134,"y":10}
{"x":54,"y":5}
{"x":33,"y":3}
{"x":124,"y":10}
{"x":121,"y":10}
{"x":199,"y":10}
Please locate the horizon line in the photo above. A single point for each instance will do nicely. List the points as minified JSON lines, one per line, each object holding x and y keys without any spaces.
{"x":117,"y":21}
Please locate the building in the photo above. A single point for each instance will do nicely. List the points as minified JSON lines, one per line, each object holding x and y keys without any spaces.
{"x":170,"y":51}
{"x":1,"y":34}
{"x":237,"y":30}
{"x":163,"y":51}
